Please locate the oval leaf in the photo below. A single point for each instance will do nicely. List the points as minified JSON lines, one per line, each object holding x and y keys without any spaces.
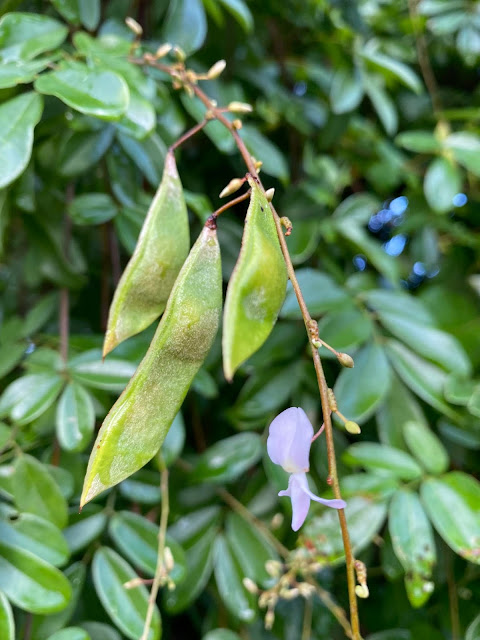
{"x":372,"y":455}
{"x":126,"y":607}
{"x":138,"y":422}
{"x":7,"y":623}
{"x":24,"y":35}
{"x":30,"y":396}
{"x":228,"y":459}
{"x":452,"y":505}
{"x":426,"y":447}
{"x":70,"y":633}
{"x":162,"y":247}
{"x":442,"y":182}
{"x":257,"y":287}
{"x":75,"y":418}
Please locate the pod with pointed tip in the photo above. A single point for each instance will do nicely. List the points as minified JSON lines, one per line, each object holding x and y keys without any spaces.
{"x":257,"y":287}
{"x":162,"y":247}
{"x":137,"y":424}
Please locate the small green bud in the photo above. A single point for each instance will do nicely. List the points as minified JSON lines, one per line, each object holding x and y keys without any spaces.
{"x":232,"y":186}
{"x":240,"y":107}
{"x":250,"y":585}
{"x":134,"y":26}
{"x":216,"y":70}
{"x":163,"y":50}
{"x":352,"y":427}
{"x":362,"y":591}
{"x":345,"y":360}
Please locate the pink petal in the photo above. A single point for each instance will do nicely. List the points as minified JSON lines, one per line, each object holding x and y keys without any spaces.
{"x":289,"y":440}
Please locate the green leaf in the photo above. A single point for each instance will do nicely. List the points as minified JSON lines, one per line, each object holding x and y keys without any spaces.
{"x":320,"y":292}
{"x":140,"y":119}
{"x":199,"y":556}
{"x":70,"y":633}
{"x":356,"y":209}
{"x":75,"y":418}
{"x":40,"y":314}
{"x":383,"y":105}
{"x":346,"y":91}
{"x":369,"y":485}
{"x":394,"y":67}
{"x":423,"y":378}
{"x":30,"y":396}
{"x":413,"y":543}
{"x":189,"y":528}
{"x":137,"y":539}
{"x":452,"y":505}
{"x":380,"y":457}
{"x":241,"y":13}
{"x":35,"y":491}
{"x":147,"y":154}
{"x":323,"y":536}
{"x":185,"y":25}
{"x":399,"y":407}
{"x":10,"y":356}
{"x":360,"y":390}
{"x":474,"y":403}
{"x":142,"y":487}
{"x":173,"y":444}
{"x":7,"y":623}
{"x":459,"y":390}
{"x":400,"y":304}
{"x":14,"y":73}
{"x":256,"y":289}
{"x":30,"y":583}
{"x":18,"y":118}
{"x":274,"y":163}
{"x":89,"y":11}
{"x":92,"y":208}
{"x":111,"y":374}
{"x":418,"y":141}
{"x":426,"y":447}
{"x":100,"y":631}
{"x":84,"y":528}
{"x":103,"y":94}
{"x":442,"y":182}
{"x":228,"y":576}
{"x":83,"y":150}
{"x":126,"y":607}
{"x":229,"y":458}
{"x":250,"y":548}
{"x":36,"y":535}
{"x":473,"y":631}
{"x":466,"y":149}
{"x":24,"y":35}
{"x":224,"y":634}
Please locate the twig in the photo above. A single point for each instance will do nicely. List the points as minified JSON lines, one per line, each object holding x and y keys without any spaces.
{"x":230,"y":204}
{"x":322,"y":383}
{"x":160,"y":568}
{"x":453,"y":598}
{"x":307,"y":619}
{"x":191,"y":132}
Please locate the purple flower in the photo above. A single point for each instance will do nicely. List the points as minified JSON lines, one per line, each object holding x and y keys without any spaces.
{"x":288,"y":444}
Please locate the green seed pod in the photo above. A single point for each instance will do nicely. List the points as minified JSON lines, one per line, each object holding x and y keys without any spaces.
{"x":257,"y":287}
{"x":162,"y":247}
{"x":138,"y":422}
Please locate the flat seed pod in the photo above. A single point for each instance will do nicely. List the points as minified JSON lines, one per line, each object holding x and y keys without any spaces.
{"x":162,"y":247}
{"x":257,"y":287}
{"x":137,"y":424}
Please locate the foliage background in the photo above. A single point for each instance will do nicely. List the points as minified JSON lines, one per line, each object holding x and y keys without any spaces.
{"x":380,"y":178}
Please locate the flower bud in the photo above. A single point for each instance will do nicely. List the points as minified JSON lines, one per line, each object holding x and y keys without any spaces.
{"x":269,"y":619}
{"x":273,"y":568}
{"x":352,"y":427}
{"x":345,"y":360}
{"x":237,"y":124}
{"x":168,"y":559}
{"x":133,"y":26}
{"x":277,"y":521}
{"x":232,"y":186}
{"x":270,"y":193}
{"x":362,"y":591}
{"x":250,"y":585}
{"x":240,"y":107}
{"x":163,"y":50}
{"x":216,"y":70}
{"x":179,"y":53}
{"x":134,"y":583}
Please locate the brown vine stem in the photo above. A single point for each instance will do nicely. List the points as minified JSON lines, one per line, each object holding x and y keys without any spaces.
{"x":322,"y":383}
{"x":190,"y":133}
{"x":229,"y":204}
{"x":160,"y":571}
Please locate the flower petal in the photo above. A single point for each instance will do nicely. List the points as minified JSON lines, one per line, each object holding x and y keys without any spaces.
{"x":289,"y":440}
{"x":300,"y":502}
{"x":301,"y":480}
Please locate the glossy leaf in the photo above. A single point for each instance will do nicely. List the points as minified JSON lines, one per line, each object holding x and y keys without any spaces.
{"x":473,"y":631}
{"x":452,"y":505}
{"x":92,"y":208}
{"x":274,"y":163}
{"x":83,"y":150}
{"x":30,"y":583}
{"x":401,"y":71}
{"x":161,"y":250}
{"x":14,"y":73}
{"x":111,"y":374}
{"x":322,"y":533}
{"x":228,"y":577}
{"x":148,"y":155}
{"x":75,"y":418}
{"x":465,"y":147}
{"x":360,"y":390}
{"x":399,"y":407}
{"x":35,"y":491}
{"x":103,"y":94}
{"x":100,"y":631}
{"x":383,"y":105}
{"x":25,"y":35}
{"x":172,"y":446}
{"x":240,"y":11}
{"x":423,"y":378}
{"x":250,"y":549}
{"x":154,"y":395}
{"x":413,"y":543}
{"x":36,"y":535}
{"x":126,"y":607}
{"x":418,"y":141}
{"x":137,"y":538}
{"x":18,"y":118}
{"x":142,"y":487}
{"x":29,"y":396}
{"x":321,"y":294}
{"x":426,"y":447}
{"x":257,"y":287}
{"x":346,"y":91}
{"x":186,"y":25}
{"x":442,"y":182}
{"x":7,"y":622}
{"x":70,"y":633}
{"x":84,"y":529}
{"x":228,"y":459}
{"x":374,"y":456}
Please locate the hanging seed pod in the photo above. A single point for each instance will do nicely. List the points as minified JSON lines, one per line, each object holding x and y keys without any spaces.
{"x":257,"y":287}
{"x":137,"y":424}
{"x":162,"y":247}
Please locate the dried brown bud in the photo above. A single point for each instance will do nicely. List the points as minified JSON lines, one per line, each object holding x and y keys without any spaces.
{"x":346,"y":360}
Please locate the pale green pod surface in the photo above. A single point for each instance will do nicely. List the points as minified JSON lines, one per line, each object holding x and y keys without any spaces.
{"x":162,"y":247}
{"x":256,"y":290}
{"x":138,"y":422}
